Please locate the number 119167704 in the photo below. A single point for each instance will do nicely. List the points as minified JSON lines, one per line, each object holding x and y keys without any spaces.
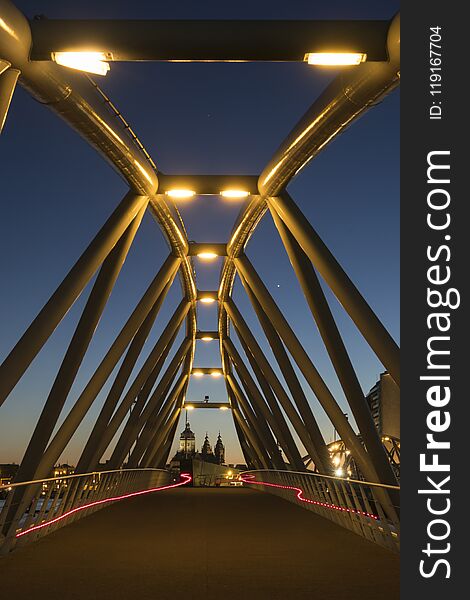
{"x":435,"y":72}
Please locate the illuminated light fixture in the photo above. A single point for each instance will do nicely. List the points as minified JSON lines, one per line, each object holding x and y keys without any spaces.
{"x":180,"y":193}
{"x":90,"y":62}
{"x":198,"y":373}
{"x":207,"y":255}
{"x":339,"y":472}
{"x":207,"y":299}
{"x":223,"y":407}
{"x":189,"y":407}
{"x":207,"y":338}
{"x":233,"y":194}
{"x":216,"y":374}
{"x":335,"y":59}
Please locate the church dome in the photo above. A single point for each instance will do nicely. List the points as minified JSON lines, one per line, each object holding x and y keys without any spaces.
{"x":187,"y":434}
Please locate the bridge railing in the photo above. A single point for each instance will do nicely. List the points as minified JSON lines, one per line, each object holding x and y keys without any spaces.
{"x":362,"y":507}
{"x":32,"y":509}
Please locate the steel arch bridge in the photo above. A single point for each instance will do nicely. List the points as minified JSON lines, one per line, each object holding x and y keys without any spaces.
{"x":266,"y":411}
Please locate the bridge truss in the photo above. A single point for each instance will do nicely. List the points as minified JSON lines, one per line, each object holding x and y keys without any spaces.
{"x":266,"y":412}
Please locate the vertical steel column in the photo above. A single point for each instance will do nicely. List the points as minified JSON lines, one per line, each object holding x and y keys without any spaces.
{"x":313,"y":438}
{"x":334,"y":344}
{"x":308,"y":369}
{"x":349,"y":296}
{"x":262,"y":446}
{"x":151,"y":367}
{"x":78,"y":346}
{"x":21,"y":356}
{"x":264,"y":415}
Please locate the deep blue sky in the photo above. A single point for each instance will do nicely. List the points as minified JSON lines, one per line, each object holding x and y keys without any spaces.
{"x":193,"y":118}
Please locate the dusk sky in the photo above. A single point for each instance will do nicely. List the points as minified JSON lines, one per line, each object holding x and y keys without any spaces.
{"x":193,"y":118}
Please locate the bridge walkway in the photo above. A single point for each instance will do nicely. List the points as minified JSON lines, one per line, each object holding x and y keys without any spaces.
{"x":201,"y":543}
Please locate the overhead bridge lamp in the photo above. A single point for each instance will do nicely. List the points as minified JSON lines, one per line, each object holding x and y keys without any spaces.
{"x":207,"y":255}
{"x":335,"y":59}
{"x":234,"y":194}
{"x":90,"y":62}
{"x":180,"y":193}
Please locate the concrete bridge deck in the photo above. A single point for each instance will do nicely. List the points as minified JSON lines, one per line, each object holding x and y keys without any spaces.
{"x":201,"y":543}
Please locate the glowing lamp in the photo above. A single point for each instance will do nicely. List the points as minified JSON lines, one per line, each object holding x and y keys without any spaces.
{"x":234,"y":194}
{"x":207,"y":255}
{"x":224,"y":408}
{"x":216,"y":374}
{"x":198,"y":373}
{"x":207,"y":338}
{"x":90,"y":62}
{"x":335,"y":59}
{"x":189,"y":407}
{"x":180,"y":193}
{"x":207,"y":299}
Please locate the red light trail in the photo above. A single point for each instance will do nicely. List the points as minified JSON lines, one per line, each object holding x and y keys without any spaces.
{"x":187,"y":479}
{"x":251,"y":480}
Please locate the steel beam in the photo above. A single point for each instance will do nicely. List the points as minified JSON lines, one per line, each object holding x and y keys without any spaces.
{"x":213,"y":40}
{"x":285,"y":437}
{"x":250,"y":459}
{"x":344,"y":100}
{"x":312,"y":438}
{"x":75,"y":353}
{"x":37,"y":334}
{"x":87,"y":397}
{"x":8,"y":79}
{"x":260,"y":416}
{"x":166,"y":432}
{"x":268,"y":423}
{"x":135,"y":424}
{"x":314,"y":379}
{"x":253,"y":423}
{"x":337,"y":352}
{"x":87,"y":459}
{"x":273,"y":381}
{"x":152,"y":430}
{"x":348,"y":295}
{"x":146,"y":377}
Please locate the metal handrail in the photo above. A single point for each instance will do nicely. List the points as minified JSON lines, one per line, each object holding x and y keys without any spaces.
{"x":54,"y":502}
{"x":369,"y":483}
{"x":10,"y":486}
{"x":362,"y":507}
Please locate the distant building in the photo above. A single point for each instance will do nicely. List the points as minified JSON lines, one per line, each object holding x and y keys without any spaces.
{"x":384,"y":405}
{"x":187,"y":451}
{"x":187,"y":443}
{"x":7,"y":473}
{"x":206,"y":450}
{"x":219,"y":451}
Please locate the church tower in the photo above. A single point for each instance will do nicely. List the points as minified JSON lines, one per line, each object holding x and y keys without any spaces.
{"x":206,"y":449}
{"x":219,"y":451}
{"x":187,"y":442}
